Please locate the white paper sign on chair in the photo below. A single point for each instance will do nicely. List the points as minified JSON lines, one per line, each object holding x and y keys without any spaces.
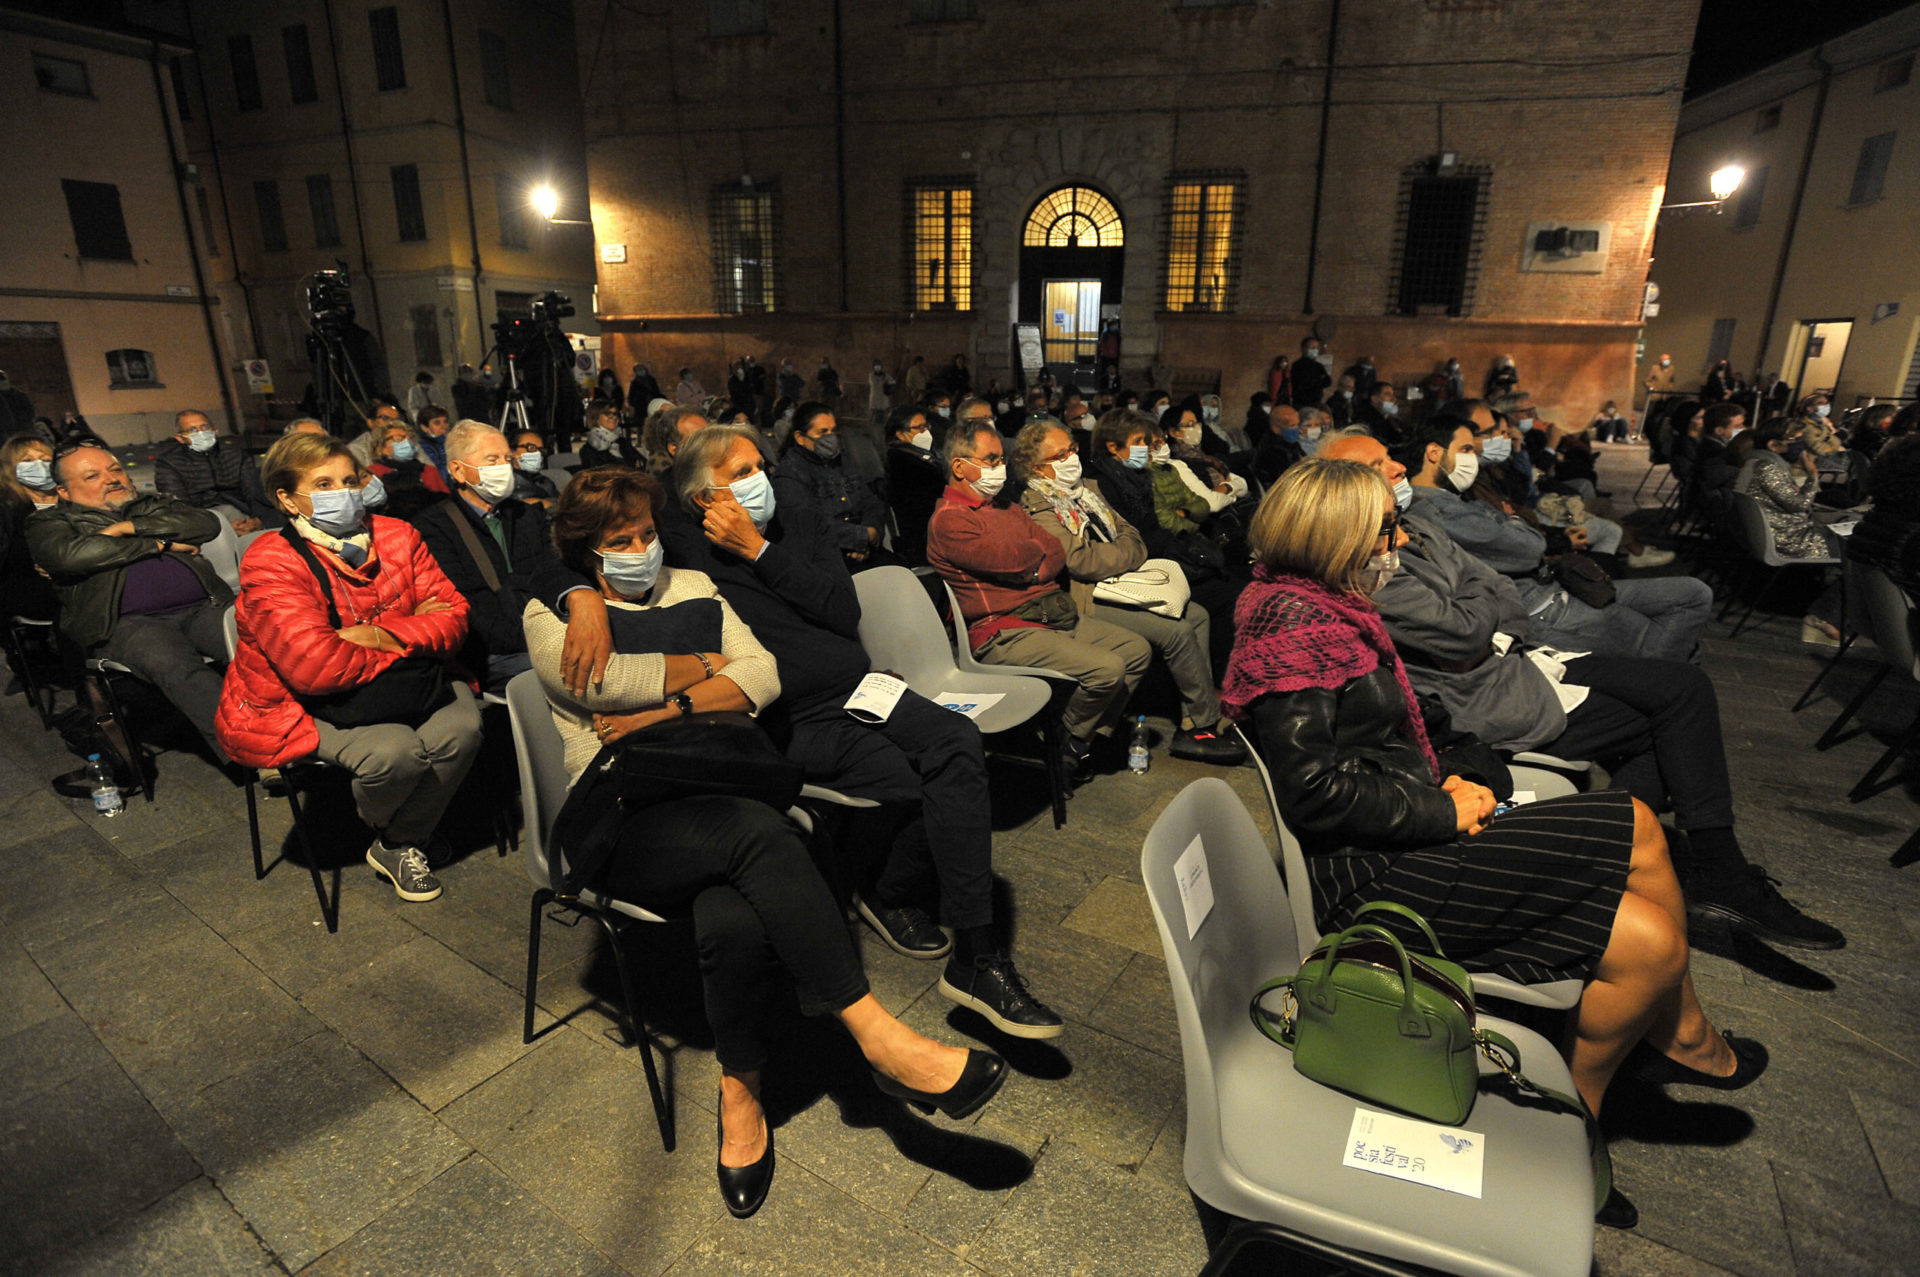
{"x":1444,"y":1157}
{"x":1196,"y":889}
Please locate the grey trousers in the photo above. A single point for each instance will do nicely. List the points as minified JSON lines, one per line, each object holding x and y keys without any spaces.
{"x":171,"y":652}
{"x":403,"y":778}
{"x":1107,"y":661}
{"x":1182,"y":643}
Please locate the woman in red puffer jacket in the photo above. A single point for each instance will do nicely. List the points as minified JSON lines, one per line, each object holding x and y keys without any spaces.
{"x":296,"y":659}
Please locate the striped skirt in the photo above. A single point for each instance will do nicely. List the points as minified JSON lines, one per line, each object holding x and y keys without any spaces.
{"x":1532,"y":897}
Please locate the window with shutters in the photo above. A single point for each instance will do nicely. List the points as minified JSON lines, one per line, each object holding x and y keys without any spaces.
{"x":1870,"y":171}
{"x":1748,"y":202}
{"x":1896,"y":74}
{"x":940,"y":243}
{"x":273,"y":219}
{"x":246,"y":72}
{"x":510,"y":197}
{"x":1440,"y":227}
{"x":1203,"y":214}
{"x":745,"y":222}
{"x":326,"y":222}
{"x":99,"y":224}
{"x":389,"y":66}
{"x":408,"y":212}
{"x":131,"y":368}
{"x":293,"y":41}
{"x":61,"y":75}
{"x":736,"y":17}
{"x":496,"y":78}
{"x":426,"y":335}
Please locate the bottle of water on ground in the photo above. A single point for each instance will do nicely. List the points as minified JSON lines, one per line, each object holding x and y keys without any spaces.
{"x":106,"y":795}
{"x":1137,"y":749}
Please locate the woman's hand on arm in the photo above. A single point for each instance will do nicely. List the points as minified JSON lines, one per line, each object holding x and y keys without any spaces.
{"x":711,"y":696}
{"x":589,"y":644}
{"x":687,"y":672}
{"x":1472,"y":804}
{"x":372,"y":636}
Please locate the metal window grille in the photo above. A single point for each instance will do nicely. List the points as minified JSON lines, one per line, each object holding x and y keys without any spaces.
{"x":510,"y":196}
{"x":130,"y":367}
{"x":246,"y":72}
{"x":736,"y":17}
{"x":496,"y":77}
{"x":1753,"y":193}
{"x":326,"y":222}
{"x":940,"y":243}
{"x":1720,"y":345}
{"x":424,"y":319}
{"x":177,"y":68}
{"x":273,"y":219}
{"x":293,"y":41}
{"x":942,"y":10}
{"x":407,"y":209}
{"x":1870,"y":171}
{"x":1439,"y":230}
{"x":1204,"y":214}
{"x":62,"y":75}
{"x":389,"y":64}
{"x":745,"y":221}
{"x":1074,"y":217}
{"x":1893,"y":75}
{"x":99,"y":225}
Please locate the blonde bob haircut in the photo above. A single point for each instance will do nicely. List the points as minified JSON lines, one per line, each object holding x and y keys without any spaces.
{"x":292,"y":457}
{"x":1321,"y":520}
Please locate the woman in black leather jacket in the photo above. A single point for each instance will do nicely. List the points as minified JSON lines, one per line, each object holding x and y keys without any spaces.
{"x":1571,"y":888}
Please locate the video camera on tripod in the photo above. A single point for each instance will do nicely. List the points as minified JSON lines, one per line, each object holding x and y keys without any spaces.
{"x":538,"y":358}
{"x":520,"y":335}
{"x":329,"y":299}
{"x":337,"y":352}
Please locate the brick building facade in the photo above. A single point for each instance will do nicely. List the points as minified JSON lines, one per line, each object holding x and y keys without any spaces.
{"x":762,"y":166}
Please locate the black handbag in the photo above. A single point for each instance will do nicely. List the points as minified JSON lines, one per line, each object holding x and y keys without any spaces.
{"x":410,"y":691}
{"x":1585,"y":579}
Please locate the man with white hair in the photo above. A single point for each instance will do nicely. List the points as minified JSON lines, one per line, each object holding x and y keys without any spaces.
{"x":493,"y":548}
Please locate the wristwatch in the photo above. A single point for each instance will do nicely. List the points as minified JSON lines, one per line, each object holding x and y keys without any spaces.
{"x":684,"y":702}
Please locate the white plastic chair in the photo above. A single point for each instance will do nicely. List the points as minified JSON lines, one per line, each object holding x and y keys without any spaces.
{"x":1265,"y":1143}
{"x":223,"y":552}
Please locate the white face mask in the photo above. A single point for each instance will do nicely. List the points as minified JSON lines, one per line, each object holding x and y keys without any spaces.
{"x":991,"y":480}
{"x":1067,"y":471}
{"x":943,"y":412}
{"x":1380,"y":570}
{"x":531,"y":462}
{"x":1402,"y":493}
{"x":1823,"y":410}
{"x":1211,"y":412}
{"x":201,"y":440}
{"x":1497,"y":449}
{"x":493,"y":483}
{"x":1466,"y":468}
{"x":1389,"y":409}
{"x":1000,"y":409}
{"x":1161,"y":455}
{"x":923,"y":439}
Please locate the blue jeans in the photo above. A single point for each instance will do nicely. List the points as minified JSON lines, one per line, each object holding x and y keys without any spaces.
{"x":1659,"y":618}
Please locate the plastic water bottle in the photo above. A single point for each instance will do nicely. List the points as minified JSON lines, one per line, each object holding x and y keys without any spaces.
{"x":106,"y":795}
{"x":1137,"y":749}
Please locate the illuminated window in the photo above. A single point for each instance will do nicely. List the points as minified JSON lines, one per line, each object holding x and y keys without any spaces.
{"x":745,"y":221}
{"x":940,"y":242}
{"x":1204,"y":216}
{"x":1074,"y":217}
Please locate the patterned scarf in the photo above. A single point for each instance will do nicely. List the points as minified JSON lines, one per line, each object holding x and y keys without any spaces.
{"x":353,"y":552}
{"x":1075,"y":506}
{"x":1292,"y":632}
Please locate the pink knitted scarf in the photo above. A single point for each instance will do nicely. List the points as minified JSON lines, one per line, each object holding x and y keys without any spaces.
{"x":1292,"y":632}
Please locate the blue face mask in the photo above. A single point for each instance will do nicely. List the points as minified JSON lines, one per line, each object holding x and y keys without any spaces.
{"x":1496,"y":450}
{"x":1291,"y":434}
{"x":35,"y":474}
{"x":633,"y":575}
{"x":532,"y":462}
{"x":1137,"y":457}
{"x":755,"y":495}
{"x":339,"y":512}
{"x":403,"y":450}
{"x":373,"y":493}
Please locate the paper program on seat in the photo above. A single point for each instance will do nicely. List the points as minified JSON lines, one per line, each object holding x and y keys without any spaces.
{"x":1448,"y":1158}
{"x":972,"y":704}
{"x":1196,"y":889}
{"x":874,"y":699}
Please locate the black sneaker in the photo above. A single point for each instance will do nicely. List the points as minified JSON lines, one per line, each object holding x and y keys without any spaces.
{"x":994,"y":988}
{"x":1754,"y":905}
{"x":907,"y":931}
{"x":1203,"y":745}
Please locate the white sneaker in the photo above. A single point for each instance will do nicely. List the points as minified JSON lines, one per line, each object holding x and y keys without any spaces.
{"x":1650,"y":558}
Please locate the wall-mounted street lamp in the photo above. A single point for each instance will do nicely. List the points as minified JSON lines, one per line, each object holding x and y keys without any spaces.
{"x":1723,"y":182}
{"x":546,"y":202}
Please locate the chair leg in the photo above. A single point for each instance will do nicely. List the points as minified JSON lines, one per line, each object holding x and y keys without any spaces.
{"x":1736,"y":577}
{"x":541,"y":899}
{"x":119,"y":732}
{"x":328,"y":910}
{"x":636,"y":1029}
{"x":1869,"y":783}
{"x":42,"y":703}
{"x":1056,"y":767}
{"x":1846,"y":642}
{"x":1908,"y":852}
{"x":253,"y":828}
{"x":1766,"y":587}
{"x":1831,"y":737}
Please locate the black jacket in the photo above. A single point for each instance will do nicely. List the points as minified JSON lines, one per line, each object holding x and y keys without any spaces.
{"x":1130,"y":493}
{"x":493,"y":617}
{"x":222,"y":475}
{"x":834,"y":490}
{"x":1347,"y":775}
{"x":622,"y":454}
{"x":1310,"y":381}
{"x":914,"y":485}
{"x":90,"y":570}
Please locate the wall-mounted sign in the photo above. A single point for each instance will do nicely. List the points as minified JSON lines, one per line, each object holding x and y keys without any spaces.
{"x":1566,"y":248}
{"x":1027,"y":337}
{"x":613,"y":253}
{"x":259,"y":377}
{"x":454,"y":284}
{"x":179,"y":290}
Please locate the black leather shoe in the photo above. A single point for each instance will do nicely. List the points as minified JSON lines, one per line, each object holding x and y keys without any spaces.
{"x":1202,"y":745}
{"x":907,"y":931}
{"x":1617,"y":1211}
{"x":1750,"y":1061}
{"x":983,"y":1076}
{"x":744,"y":1188}
{"x":992,"y":986}
{"x":1753,"y":903}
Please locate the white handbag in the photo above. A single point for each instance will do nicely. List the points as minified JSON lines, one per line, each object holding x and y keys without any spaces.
{"x":1158,"y":585}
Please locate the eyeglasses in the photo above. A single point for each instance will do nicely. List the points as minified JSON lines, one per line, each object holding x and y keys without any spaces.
{"x":1389,"y":526}
{"x":1072,"y":449}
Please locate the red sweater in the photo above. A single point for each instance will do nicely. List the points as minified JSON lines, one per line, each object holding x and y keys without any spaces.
{"x":995,"y":557}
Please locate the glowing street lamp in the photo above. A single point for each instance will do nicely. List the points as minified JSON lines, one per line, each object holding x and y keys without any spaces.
{"x":546,"y":202}
{"x":1724,"y":182}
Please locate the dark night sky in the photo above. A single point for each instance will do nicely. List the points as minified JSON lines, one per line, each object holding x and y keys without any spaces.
{"x":1738,"y":36}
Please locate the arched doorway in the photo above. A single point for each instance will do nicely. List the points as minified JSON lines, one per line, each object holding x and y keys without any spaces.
{"x":1071,"y":256}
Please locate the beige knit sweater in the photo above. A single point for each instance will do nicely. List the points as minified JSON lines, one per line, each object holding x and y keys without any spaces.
{"x":638,"y":680}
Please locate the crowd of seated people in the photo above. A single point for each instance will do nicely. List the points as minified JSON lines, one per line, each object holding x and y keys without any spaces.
{"x":1347,"y":559}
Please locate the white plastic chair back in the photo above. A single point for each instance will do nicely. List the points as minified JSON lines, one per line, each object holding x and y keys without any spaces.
{"x":223,"y":552}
